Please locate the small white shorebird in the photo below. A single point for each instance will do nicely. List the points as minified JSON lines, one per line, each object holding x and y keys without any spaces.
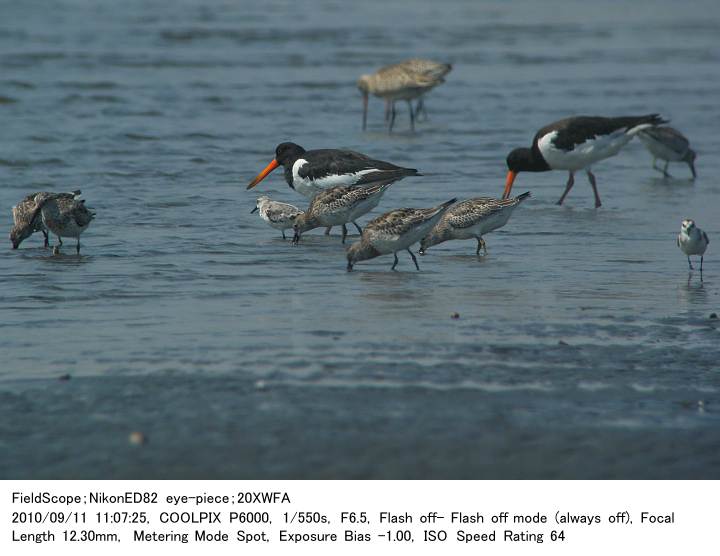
{"x":472,"y":218}
{"x":338,"y":206}
{"x":692,"y":241}
{"x":63,"y":215}
{"x":395,"y":231}
{"x":280,"y":216}
{"x":668,"y":144}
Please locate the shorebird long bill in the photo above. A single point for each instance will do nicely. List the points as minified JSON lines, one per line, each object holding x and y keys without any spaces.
{"x":262,"y":175}
{"x":508,"y":184}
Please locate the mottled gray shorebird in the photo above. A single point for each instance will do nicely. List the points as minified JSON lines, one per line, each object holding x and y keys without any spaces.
{"x":338,"y":206}
{"x":395,"y":231}
{"x":280,"y":216}
{"x":26,"y":221}
{"x":408,"y":80}
{"x":692,"y":241}
{"x":24,"y":225}
{"x":63,"y":215}
{"x":472,"y":219}
{"x":668,"y":144}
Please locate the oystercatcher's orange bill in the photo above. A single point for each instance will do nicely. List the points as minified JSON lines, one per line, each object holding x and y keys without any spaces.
{"x":262,"y":175}
{"x":508,"y":184}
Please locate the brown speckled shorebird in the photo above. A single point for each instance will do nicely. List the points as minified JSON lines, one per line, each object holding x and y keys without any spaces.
{"x":470,"y":219}
{"x":26,"y":221}
{"x":338,"y":206}
{"x":63,"y":215}
{"x":23,"y":223}
{"x":395,"y":231}
{"x":406,"y":81}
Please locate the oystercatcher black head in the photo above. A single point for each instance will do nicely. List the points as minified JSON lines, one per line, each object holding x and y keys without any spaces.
{"x":285,"y":155}
{"x":522,"y":160}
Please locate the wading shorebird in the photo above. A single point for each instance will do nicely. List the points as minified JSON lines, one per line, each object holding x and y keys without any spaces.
{"x":692,"y":241}
{"x":472,"y":219}
{"x":395,"y":231}
{"x":338,"y":206}
{"x":280,"y":216}
{"x":23,"y":223}
{"x":26,"y":221}
{"x":668,"y":144}
{"x":63,"y":215}
{"x":408,"y":80}
{"x":309,"y":172}
{"x":575,"y":144}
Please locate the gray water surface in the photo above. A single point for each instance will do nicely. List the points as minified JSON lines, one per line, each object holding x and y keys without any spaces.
{"x":583,"y":348}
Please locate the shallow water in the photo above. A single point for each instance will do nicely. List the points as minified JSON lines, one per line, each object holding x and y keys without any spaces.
{"x":583,"y":347}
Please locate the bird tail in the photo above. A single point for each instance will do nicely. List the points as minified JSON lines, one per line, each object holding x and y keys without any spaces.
{"x":523,"y":196}
{"x":446,"y":205}
{"x":637,"y":123}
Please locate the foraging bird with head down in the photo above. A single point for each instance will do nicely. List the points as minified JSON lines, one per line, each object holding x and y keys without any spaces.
{"x":408,"y":80}
{"x":574,"y":144}
{"x":395,"y":231}
{"x":668,"y":144}
{"x":471,"y":219}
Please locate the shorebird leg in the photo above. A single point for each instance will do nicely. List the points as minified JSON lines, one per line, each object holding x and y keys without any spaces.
{"x":327,"y":230}
{"x":387,"y":109}
{"x":568,"y":187}
{"x":655,"y":165}
{"x":283,"y":233}
{"x":420,"y":107}
{"x":412,"y":116}
{"x":414,"y":259}
{"x":690,"y":263}
{"x":591,"y":177}
{"x":701,"y":262}
{"x":395,"y":263}
{"x":296,"y":238}
{"x":359,"y":229}
{"x":77,"y":247}
{"x":47,"y":238}
{"x":665,"y":172}
{"x":392,"y":116}
{"x":59,"y":240}
{"x":481,"y":245}
{"x":344,"y":233}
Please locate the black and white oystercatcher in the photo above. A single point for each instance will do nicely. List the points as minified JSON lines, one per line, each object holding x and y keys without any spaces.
{"x":575,"y":144}
{"x":309,"y":172}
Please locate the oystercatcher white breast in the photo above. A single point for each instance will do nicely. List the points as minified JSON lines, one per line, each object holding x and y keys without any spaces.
{"x":309,"y":172}
{"x":668,"y":144}
{"x":574,"y":144}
